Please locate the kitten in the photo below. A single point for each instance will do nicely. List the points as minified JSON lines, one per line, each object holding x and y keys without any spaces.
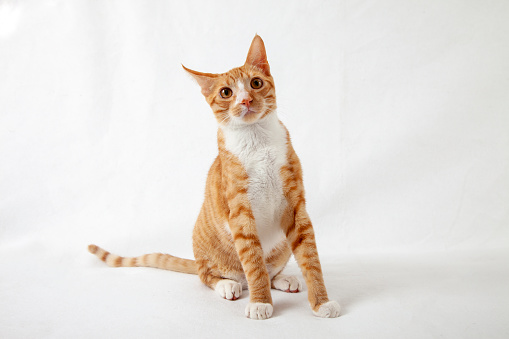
{"x":254,"y":215}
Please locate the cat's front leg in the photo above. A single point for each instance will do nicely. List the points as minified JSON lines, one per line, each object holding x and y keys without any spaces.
{"x":245,"y":236}
{"x":301,"y":238}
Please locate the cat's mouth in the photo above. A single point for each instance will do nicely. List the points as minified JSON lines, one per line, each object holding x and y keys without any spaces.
{"x":249,"y":111}
{"x":247,"y":114}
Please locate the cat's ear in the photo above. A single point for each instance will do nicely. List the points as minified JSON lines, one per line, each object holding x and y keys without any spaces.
{"x":257,"y":56}
{"x":205,"y":80}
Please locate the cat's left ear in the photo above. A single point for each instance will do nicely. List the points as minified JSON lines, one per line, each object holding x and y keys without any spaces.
{"x":257,"y":56}
{"x":205,"y":80}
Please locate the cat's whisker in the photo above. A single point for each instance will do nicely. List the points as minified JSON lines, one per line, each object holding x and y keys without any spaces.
{"x":226,"y":118}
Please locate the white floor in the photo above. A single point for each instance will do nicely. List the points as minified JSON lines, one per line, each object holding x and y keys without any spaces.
{"x":447,"y":295}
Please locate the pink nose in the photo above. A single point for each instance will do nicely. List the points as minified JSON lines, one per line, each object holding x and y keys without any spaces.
{"x":246,"y":102}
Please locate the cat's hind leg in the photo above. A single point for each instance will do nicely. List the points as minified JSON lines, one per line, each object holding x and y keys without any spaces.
{"x":286,"y":283}
{"x":228,"y":289}
{"x":276,"y":262}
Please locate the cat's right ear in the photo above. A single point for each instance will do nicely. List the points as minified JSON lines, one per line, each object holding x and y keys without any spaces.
{"x":205,"y":80}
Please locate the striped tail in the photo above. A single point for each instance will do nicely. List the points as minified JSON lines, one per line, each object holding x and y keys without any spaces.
{"x":156,"y":260}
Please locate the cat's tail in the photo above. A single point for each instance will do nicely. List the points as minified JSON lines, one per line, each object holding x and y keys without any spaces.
{"x":156,"y":260}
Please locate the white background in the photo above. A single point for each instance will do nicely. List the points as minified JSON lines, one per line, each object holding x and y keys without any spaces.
{"x":398,"y":110}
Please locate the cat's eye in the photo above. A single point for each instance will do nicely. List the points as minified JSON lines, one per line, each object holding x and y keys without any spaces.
{"x":256,"y":83}
{"x":225,"y":92}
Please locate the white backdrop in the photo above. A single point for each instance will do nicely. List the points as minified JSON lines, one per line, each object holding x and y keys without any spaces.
{"x":399,"y":111}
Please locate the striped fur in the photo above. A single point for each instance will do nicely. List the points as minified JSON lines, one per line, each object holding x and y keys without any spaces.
{"x":254,"y":212}
{"x":155,"y":260}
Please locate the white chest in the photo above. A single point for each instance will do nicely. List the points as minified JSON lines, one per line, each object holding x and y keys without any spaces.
{"x":262,"y":150}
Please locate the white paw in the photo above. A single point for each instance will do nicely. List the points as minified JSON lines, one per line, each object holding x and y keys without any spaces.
{"x":286,"y":283}
{"x":259,"y":310}
{"x":229,"y":289}
{"x":330,"y":309}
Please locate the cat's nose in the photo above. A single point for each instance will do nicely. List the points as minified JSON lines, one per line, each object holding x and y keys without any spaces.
{"x":247,"y":102}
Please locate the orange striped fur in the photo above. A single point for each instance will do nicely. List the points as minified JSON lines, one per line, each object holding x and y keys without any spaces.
{"x":155,"y":260}
{"x":254,"y":213}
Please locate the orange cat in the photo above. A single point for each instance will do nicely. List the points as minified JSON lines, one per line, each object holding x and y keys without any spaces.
{"x":254,"y":214}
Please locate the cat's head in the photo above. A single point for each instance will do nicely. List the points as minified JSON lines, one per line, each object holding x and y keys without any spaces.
{"x":244,"y":94}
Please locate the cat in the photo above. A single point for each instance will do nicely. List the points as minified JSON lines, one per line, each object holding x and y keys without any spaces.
{"x":254,"y":216}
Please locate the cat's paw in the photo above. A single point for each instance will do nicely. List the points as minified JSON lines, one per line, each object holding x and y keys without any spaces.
{"x":259,"y":311}
{"x":330,"y":309}
{"x":286,"y":283}
{"x":229,"y":289}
